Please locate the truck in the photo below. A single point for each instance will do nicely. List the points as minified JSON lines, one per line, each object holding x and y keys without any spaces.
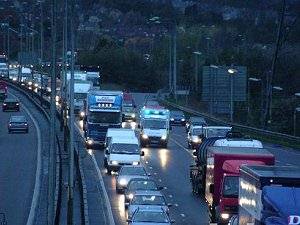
{"x":103,"y":110}
{"x":221,"y":184}
{"x":3,"y":90}
{"x":4,"y":66}
{"x":154,"y":126}
{"x":93,"y":77}
{"x":129,"y":108}
{"x":269,"y":195}
{"x":81,"y":89}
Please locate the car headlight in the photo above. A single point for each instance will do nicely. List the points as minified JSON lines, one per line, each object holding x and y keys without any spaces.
{"x":36,"y":85}
{"x":172,"y":119}
{"x":57,"y":98}
{"x":182,"y":119}
{"x":82,"y":114}
{"x":135,"y":163}
{"x":130,"y":196}
{"x":196,"y":139}
{"x":225,"y":216}
{"x":14,"y":79}
{"x":17,"y":103}
{"x":145,"y":136}
{"x":114,"y":162}
{"x":122,"y":182}
{"x":4,"y":104}
{"x":164,"y":137}
{"x":29,"y":83}
{"x":133,"y":115}
{"x":90,"y":141}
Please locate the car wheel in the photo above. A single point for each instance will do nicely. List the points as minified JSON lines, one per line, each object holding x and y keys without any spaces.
{"x":9,"y":131}
{"x":108,"y":171}
{"x":26,"y":131}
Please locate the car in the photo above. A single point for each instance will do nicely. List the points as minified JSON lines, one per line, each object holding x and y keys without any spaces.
{"x":196,"y":121}
{"x":17,"y":123}
{"x":10,"y":104}
{"x":177,"y":118}
{"x":139,"y":184}
{"x":127,"y":173}
{"x":150,"y":217}
{"x":195,"y":136}
{"x":147,"y":200}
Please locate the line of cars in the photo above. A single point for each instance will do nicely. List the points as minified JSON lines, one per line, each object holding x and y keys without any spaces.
{"x":144,"y":201}
{"x":16,"y":123}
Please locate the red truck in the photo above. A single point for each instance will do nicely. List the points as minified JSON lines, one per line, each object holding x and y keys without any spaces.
{"x":3,"y":90}
{"x":220,"y":176}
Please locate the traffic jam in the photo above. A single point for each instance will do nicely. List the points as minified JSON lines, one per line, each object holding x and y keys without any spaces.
{"x":234,"y":174}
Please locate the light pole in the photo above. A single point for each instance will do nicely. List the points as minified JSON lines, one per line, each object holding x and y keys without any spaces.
{"x":231,"y":74}
{"x":295,"y":120}
{"x":212,"y":86}
{"x":253,"y":79}
{"x":197,"y":55}
{"x":41,"y":29}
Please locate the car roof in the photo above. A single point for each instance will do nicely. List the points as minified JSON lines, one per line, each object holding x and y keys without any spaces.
{"x":149,"y":192}
{"x":124,"y":140}
{"x":18,"y":118}
{"x":131,"y":166}
{"x":11,"y":100}
{"x":159,"y":209}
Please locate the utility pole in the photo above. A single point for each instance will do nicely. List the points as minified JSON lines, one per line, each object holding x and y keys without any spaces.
{"x":52,"y":152}
{"x":175,"y":61}
{"x":72,"y":120}
{"x":41,"y":30}
{"x":271,"y":74}
{"x":170,"y":64}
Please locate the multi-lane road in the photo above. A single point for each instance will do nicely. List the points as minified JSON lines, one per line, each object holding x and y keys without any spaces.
{"x":170,"y":168}
{"x":20,"y":161}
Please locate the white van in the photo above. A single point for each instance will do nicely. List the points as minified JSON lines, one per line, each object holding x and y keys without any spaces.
{"x":118,"y":132}
{"x":122,"y":151}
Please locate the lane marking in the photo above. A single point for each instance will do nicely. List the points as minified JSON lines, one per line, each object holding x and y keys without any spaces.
{"x":108,"y":205}
{"x":183,"y":147}
{"x":37,"y":185}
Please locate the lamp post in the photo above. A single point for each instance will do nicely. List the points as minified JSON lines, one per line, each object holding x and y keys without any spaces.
{"x":250,"y":79}
{"x":212,"y":86}
{"x":231,"y":73}
{"x":197,"y":55}
{"x":295,"y":119}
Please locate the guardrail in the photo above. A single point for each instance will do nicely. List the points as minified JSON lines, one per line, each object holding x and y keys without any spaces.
{"x":35,"y":97}
{"x":279,"y":138}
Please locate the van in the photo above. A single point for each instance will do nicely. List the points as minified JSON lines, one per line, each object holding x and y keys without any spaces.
{"x":122,"y":151}
{"x":118,"y":132}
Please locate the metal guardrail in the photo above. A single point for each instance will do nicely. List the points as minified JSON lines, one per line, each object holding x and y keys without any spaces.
{"x":35,"y":97}
{"x":245,"y":129}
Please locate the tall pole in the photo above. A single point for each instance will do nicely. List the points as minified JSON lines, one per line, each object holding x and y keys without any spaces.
{"x":8,"y":47}
{"x":196,"y":72}
{"x":295,"y":120}
{"x":41,"y":31}
{"x":231,"y":97}
{"x":248,"y":99}
{"x":52,"y":152}
{"x":170,"y":64}
{"x":175,"y":62}
{"x":72,"y":120}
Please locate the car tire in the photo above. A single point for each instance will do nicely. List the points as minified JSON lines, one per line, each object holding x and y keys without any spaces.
{"x":108,"y":171}
{"x":26,"y":131}
{"x":9,"y":131}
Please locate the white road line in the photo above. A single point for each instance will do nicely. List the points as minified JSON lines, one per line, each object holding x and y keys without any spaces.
{"x":180,"y":145}
{"x":37,"y":185}
{"x":109,"y":208}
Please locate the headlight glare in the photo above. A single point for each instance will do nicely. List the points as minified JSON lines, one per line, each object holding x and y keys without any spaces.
{"x":122,"y":182}
{"x":145,"y":136}
{"x":225,"y":216}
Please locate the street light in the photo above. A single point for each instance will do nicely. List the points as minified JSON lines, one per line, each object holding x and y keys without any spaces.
{"x":197,"y":54}
{"x":231,"y":73}
{"x":295,"y":119}
{"x":253,"y":79}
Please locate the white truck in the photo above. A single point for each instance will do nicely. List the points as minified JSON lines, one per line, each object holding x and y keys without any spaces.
{"x":81,"y":89}
{"x":154,"y":126}
{"x":3,"y":66}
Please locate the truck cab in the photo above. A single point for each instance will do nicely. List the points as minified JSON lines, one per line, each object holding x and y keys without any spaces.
{"x":154,"y":126}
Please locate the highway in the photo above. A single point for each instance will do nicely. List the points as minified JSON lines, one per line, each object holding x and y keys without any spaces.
{"x":19,"y":157}
{"x":170,"y":168}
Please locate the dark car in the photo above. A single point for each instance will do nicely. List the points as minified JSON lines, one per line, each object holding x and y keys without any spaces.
{"x":139,"y":184}
{"x":11,"y":104}
{"x":17,"y":124}
{"x":195,"y":121}
{"x":177,"y":118}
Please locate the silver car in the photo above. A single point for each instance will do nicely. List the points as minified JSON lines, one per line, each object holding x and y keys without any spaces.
{"x":127,"y":173}
{"x":147,"y":200}
{"x":150,"y":217}
{"x":139,"y":184}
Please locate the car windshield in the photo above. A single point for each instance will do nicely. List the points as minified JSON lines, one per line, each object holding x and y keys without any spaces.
{"x":155,"y":124}
{"x":125,"y":148}
{"x":142,"y":185}
{"x":104,"y":117}
{"x":80,"y":96}
{"x":127,"y":108}
{"x":217,"y":132}
{"x":231,"y":186}
{"x":148,"y":216}
{"x":148,"y":200}
{"x":177,"y":114}
{"x":139,"y":171}
{"x":197,"y":131}
{"x":18,"y":119}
